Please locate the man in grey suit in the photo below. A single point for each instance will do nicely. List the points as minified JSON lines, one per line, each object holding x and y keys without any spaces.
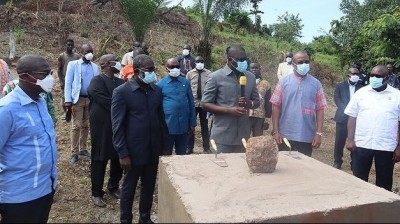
{"x":223,"y":97}
{"x":343,"y":92}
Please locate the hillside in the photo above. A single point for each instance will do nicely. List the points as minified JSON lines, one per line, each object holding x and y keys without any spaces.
{"x":43,"y":32}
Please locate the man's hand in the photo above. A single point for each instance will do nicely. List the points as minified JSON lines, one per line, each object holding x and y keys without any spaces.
{"x":191,"y":131}
{"x":396,"y":154}
{"x":68,"y":105}
{"x":125,"y":163}
{"x":265,"y":125}
{"x":350,"y":145}
{"x":237,"y":111}
{"x":244,"y":102}
{"x":278,"y":138}
{"x":316,"y":142}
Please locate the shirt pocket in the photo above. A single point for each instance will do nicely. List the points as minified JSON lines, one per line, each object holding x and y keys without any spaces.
{"x":229,"y":94}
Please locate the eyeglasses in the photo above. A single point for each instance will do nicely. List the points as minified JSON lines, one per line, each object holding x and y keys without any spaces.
{"x":151,"y":69}
{"x":355,"y":73}
{"x":240,"y":59}
{"x":302,"y":62}
{"x":173,"y":66}
{"x":377,"y":76}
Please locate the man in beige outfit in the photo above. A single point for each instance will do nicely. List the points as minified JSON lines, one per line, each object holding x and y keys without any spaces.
{"x":285,"y":68}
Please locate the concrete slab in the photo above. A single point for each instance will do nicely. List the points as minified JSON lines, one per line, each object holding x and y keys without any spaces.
{"x":194,"y":189}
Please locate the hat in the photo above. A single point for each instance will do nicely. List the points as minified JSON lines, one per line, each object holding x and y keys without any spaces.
{"x":106,"y":58}
{"x":32,"y":64}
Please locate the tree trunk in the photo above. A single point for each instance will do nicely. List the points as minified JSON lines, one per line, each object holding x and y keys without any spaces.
{"x":12,"y":44}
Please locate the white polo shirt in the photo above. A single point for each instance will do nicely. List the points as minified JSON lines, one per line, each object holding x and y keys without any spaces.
{"x":378,"y":114}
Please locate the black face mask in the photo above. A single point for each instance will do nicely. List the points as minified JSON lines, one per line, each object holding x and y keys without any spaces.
{"x":114,"y":70}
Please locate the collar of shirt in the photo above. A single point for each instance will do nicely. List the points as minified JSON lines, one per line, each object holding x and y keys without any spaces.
{"x":169,"y":79}
{"x":24,"y":99}
{"x":226,"y":70}
{"x":134,"y":85}
{"x":82,"y":62}
{"x":388,"y":89}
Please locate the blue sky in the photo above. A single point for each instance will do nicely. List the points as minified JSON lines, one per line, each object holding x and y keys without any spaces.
{"x":316,"y":15}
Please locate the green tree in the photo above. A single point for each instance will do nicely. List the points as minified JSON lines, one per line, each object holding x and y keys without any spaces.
{"x":240,"y":19}
{"x":383,"y":37}
{"x":288,"y":28}
{"x":210,"y":12}
{"x":255,"y":11}
{"x":140,"y":15}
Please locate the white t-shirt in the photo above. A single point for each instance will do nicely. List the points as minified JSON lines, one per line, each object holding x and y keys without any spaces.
{"x":127,"y":59}
{"x":378,"y":114}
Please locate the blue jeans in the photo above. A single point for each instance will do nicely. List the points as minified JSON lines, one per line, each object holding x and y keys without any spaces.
{"x":362,"y":162}
{"x":180,"y":142}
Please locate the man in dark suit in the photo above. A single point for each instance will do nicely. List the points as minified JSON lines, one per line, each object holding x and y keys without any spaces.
{"x":343,"y":92}
{"x":186,"y":61}
{"x":139,"y":136}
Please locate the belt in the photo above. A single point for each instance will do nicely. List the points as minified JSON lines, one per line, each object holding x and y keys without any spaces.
{"x":84,"y":96}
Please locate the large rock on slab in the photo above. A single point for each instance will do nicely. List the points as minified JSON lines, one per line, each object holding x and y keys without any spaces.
{"x":262,"y":154}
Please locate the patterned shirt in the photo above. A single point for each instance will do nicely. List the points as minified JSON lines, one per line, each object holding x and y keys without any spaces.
{"x":261,"y":112}
{"x":299,"y":99}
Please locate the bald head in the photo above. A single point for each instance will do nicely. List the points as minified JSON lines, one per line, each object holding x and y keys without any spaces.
{"x":353,"y":71}
{"x":234,"y":51}
{"x":300,"y":54}
{"x":172,"y":62}
{"x":142,"y":61}
{"x":86,"y":48}
{"x":380,"y":70}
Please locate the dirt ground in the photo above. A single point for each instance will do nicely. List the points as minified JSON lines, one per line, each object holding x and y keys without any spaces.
{"x":73,"y":198}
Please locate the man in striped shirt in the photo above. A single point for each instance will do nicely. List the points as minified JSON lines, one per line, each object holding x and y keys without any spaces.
{"x":298,"y":104}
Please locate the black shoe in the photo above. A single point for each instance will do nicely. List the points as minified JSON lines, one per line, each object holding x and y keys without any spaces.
{"x":337,"y":166}
{"x":98,"y":201}
{"x":189,"y":151}
{"x":115,"y":194}
{"x":84,"y":153}
{"x":145,"y":221}
{"x":207,"y":151}
{"x":74,"y":159}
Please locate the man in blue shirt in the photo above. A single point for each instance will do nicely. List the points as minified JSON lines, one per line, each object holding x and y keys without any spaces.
{"x":178,"y":103}
{"x":77,"y":79}
{"x":28,"y":151}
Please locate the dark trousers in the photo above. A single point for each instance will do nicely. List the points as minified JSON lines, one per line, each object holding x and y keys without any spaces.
{"x":35,"y":211}
{"x":205,"y":135}
{"x":147,"y":175}
{"x":340,"y":141}
{"x":180,"y":142}
{"x":256,"y":126}
{"x":302,"y":147}
{"x":362,"y":162}
{"x":97,"y":173}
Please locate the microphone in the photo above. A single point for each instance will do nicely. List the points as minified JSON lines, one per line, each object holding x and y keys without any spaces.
{"x":242,"y":81}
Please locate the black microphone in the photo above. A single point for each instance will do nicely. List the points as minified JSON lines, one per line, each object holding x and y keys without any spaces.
{"x":242,"y":81}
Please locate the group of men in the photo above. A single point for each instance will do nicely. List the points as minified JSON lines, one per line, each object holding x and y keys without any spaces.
{"x":135,"y":121}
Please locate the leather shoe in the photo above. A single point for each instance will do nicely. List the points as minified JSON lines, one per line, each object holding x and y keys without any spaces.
{"x":145,"y":221}
{"x":115,"y":194}
{"x":98,"y":201}
{"x":84,"y":153}
{"x":207,"y":151}
{"x":74,"y":159}
{"x":189,"y":151}
{"x":337,"y":166}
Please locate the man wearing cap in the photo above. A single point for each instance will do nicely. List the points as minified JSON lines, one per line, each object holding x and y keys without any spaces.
{"x":77,"y":79}
{"x":285,"y":68}
{"x":28,"y":150}
{"x":186,"y":60}
{"x":100,"y":92}
{"x":139,"y":136}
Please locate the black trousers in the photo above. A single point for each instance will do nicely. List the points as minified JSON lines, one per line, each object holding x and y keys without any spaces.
{"x":98,"y":171}
{"x":205,"y":135}
{"x":302,"y":147}
{"x":35,"y":211}
{"x":340,"y":141}
{"x":256,"y":126}
{"x":147,"y":175}
{"x":362,"y":162}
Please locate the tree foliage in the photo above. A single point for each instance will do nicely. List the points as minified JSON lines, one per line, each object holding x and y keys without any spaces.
{"x":210,"y":12}
{"x":140,"y":14}
{"x":346,"y":32}
{"x":240,"y":19}
{"x":288,"y":28}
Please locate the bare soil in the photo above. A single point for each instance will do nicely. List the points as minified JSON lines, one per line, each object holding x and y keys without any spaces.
{"x":73,"y":197}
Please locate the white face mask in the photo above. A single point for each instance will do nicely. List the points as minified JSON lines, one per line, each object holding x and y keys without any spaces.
{"x":175,"y":72}
{"x":185,"y":52}
{"x":289,"y":60}
{"x":89,"y":56}
{"x":199,"y":66}
{"x":354,"y":78}
{"x":46,"y":84}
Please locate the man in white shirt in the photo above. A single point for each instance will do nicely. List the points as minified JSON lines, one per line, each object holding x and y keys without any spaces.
{"x":285,"y":68}
{"x":372,"y":128}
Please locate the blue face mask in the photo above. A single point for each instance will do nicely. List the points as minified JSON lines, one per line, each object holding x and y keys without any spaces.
{"x":375,"y":82}
{"x":303,"y":69}
{"x":149,"y":77}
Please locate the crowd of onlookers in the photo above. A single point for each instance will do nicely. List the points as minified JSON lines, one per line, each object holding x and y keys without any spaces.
{"x":134,"y":115}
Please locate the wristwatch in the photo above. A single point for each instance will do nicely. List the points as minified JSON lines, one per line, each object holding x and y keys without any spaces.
{"x":318,"y":133}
